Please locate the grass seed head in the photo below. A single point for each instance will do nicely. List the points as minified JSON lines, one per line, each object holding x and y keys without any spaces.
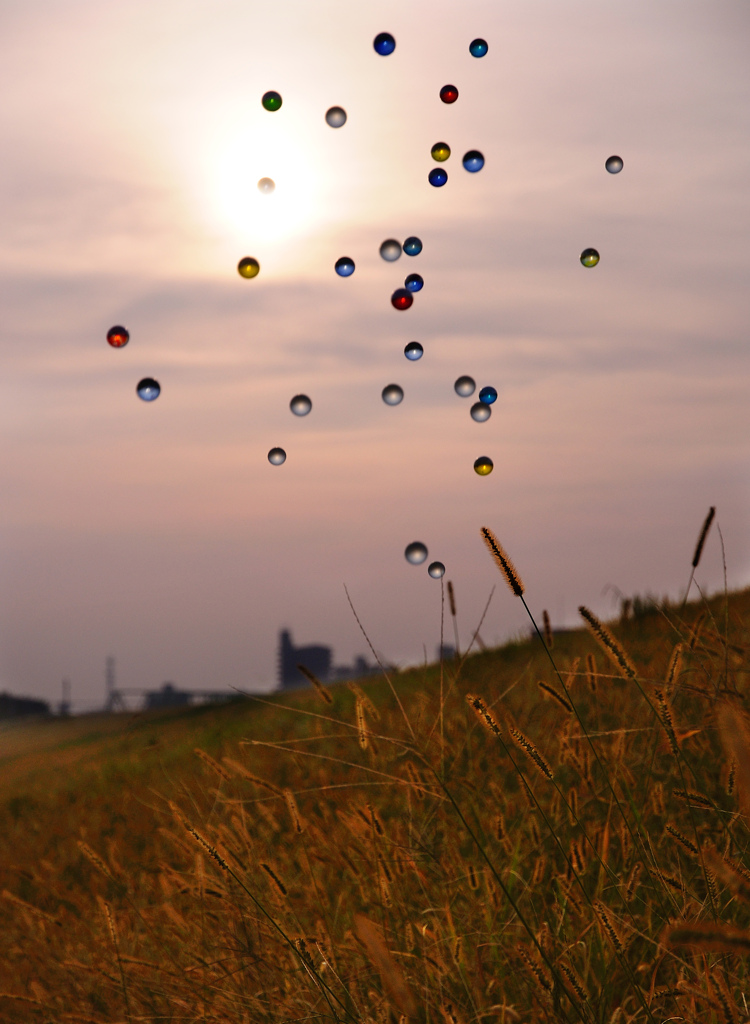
{"x":703,"y":535}
{"x":213,"y":765}
{"x":483,"y":714}
{"x":614,"y":651}
{"x":705,"y":935}
{"x":591,"y":671}
{"x":547,"y":629}
{"x":312,"y":678}
{"x":506,"y":566}
{"x":558,"y":696}
{"x":533,"y":753}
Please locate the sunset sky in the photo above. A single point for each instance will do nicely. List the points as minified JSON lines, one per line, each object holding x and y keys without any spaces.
{"x":133,"y":139}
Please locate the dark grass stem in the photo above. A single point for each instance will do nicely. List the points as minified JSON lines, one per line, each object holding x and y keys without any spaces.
{"x":452,"y":604}
{"x":442,"y":734}
{"x":387,"y":677}
{"x":726,"y":609}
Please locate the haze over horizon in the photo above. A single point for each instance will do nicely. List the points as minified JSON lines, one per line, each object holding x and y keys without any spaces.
{"x":158,"y":532}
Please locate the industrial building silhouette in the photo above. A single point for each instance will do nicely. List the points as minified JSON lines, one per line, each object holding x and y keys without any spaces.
{"x":318,"y":659}
{"x":20,"y":707}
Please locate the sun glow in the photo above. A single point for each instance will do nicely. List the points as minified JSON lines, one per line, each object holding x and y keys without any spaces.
{"x":291,"y":210}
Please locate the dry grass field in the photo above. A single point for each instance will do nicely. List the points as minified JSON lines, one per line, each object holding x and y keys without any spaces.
{"x":530,"y":834}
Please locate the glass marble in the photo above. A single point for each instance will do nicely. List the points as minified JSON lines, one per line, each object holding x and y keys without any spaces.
{"x":483,"y":466}
{"x":401,"y":299}
{"x":416,"y":552}
{"x":589,"y":257}
{"x":392,"y":394}
{"x":148,"y":389}
{"x":440,"y":152}
{"x":344,"y":266}
{"x":488,"y":395}
{"x":390,"y":250}
{"x":118,"y":337}
{"x":437,"y":177}
{"x":414,"y":283}
{"x":248,"y":267}
{"x":266,"y":186}
{"x":300,"y":405}
{"x":465,"y":386}
{"x":436,"y":570}
{"x":413,"y":246}
{"x":614,"y":164}
{"x":449,"y":94}
{"x":413,"y":351}
{"x":335,"y":117}
{"x":473,"y":161}
{"x":271,"y":100}
{"x":276,"y":456}
{"x":384,"y":43}
{"x":480,"y":412}
{"x":478,"y":47}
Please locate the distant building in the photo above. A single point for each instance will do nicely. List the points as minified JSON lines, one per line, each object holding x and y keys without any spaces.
{"x":168,"y":697}
{"x":359,"y":669}
{"x":317,"y":659}
{"x":18,"y":707}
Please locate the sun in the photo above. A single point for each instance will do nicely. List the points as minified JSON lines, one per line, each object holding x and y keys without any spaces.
{"x":267,"y":216}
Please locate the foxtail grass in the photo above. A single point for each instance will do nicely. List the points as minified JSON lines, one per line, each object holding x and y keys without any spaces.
{"x":699,"y":550}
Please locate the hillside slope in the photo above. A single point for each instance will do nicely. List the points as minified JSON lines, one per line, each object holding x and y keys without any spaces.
{"x":486,"y":861}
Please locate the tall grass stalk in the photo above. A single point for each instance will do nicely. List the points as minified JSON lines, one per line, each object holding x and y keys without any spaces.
{"x":699,"y":550}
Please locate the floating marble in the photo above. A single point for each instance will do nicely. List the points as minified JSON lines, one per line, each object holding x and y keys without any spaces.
{"x":335,"y":117}
{"x":266,"y":186}
{"x":300,"y":405}
{"x":118,"y":337}
{"x":384,"y":43}
{"x":449,"y":94}
{"x":414,"y":283}
{"x":271,"y":100}
{"x":413,"y":351}
{"x":483,"y":466}
{"x":480,"y":412}
{"x":614,"y":164}
{"x":276,"y":456}
{"x":478,"y":47}
{"x":148,"y":389}
{"x":437,"y":177}
{"x":413,"y":246}
{"x":248,"y":267}
{"x":589,"y":257}
{"x":344,"y":266}
{"x":416,"y":552}
{"x":436,"y":570}
{"x":390,"y":250}
{"x":392,"y":394}
{"x":473,"y":161}
{"x":401,"y":299}
{"x":488,"y":395}
{"x":440,"y":152}
{"x":465,"y":386}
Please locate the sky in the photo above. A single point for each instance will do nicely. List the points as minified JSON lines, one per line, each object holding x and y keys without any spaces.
{"x":159,"y":533}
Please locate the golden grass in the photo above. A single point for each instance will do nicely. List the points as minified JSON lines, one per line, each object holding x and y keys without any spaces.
{"x":278,"y":860}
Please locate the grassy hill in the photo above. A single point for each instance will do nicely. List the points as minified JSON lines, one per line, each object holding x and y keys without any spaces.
{"x":523,"y":835}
